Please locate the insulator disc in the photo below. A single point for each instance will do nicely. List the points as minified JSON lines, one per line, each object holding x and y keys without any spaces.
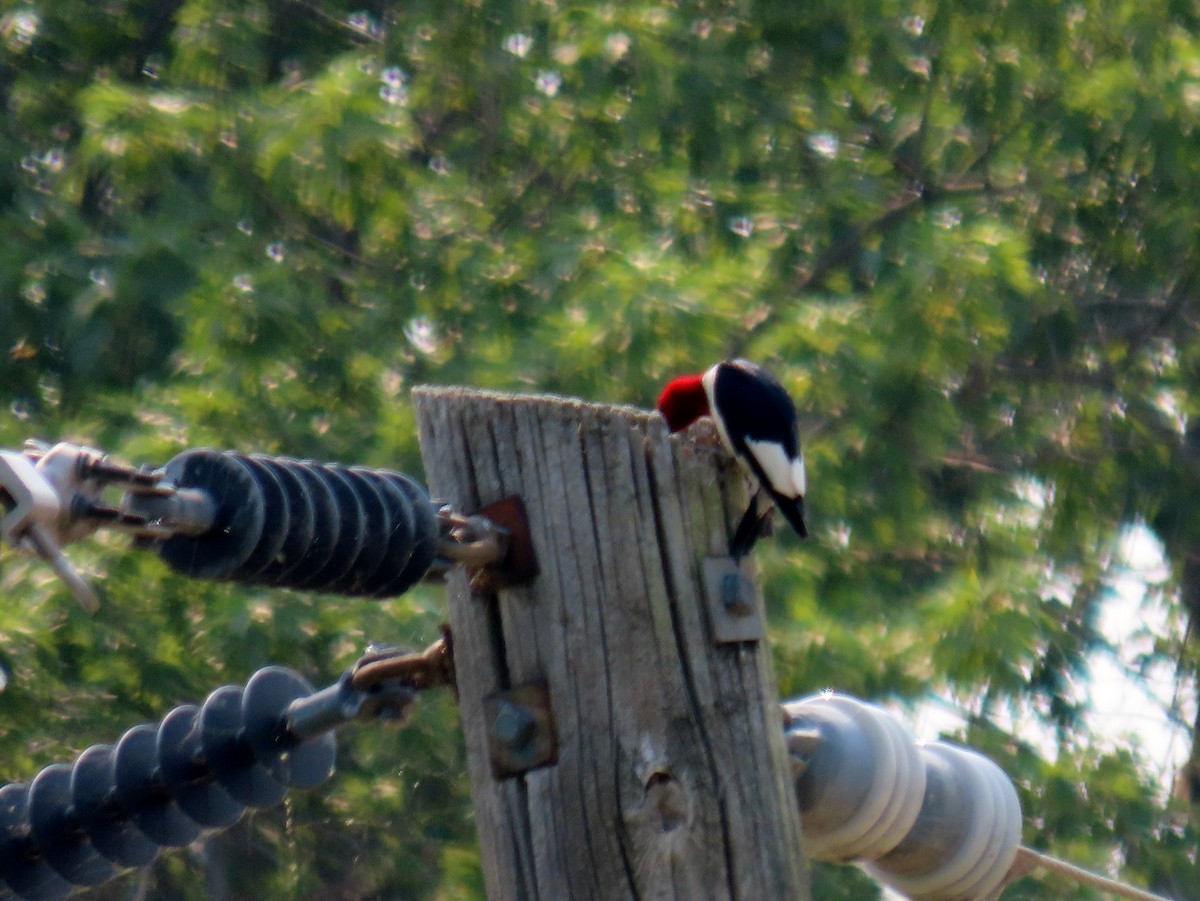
{"x":399,"y":545}
{"x":863,"y":783}
{"x":967,"y":834}
{"x":229,"y":756}
{"x":107,"y":823}
{"x":898,"y":783}
{"x":301,"y":524}
{"x":326,"y":524}
{"x":276,"y":519}
{"x":186,"y":774}
{"x":351,"y":528}
{"x":21,"y":864}
{"x":1004,"y":843}
{"x":58,"y":833}
{"x":838,"y":779}
{"x":426,"y":534}
{"x":238,"y":524}
{"x":142,"y":791}
{"x":267,"y":696}
{"x":378,"y":522}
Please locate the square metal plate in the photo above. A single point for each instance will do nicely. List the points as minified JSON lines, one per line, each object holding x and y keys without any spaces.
{"x":734,"y":606}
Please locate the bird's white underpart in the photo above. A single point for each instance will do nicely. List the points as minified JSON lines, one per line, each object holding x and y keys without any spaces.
{"x":785,"y":476}
{"x":709,"y":381}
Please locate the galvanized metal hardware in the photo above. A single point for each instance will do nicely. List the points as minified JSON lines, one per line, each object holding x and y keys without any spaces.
{"x":521,"y":734}
{"x":34,"y":518}
{"x":56,"y":495}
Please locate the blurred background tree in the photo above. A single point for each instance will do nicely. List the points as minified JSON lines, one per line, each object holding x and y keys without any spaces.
{"x":962,"y":233}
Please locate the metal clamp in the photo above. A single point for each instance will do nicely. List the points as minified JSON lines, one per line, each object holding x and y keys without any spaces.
{"x":382,"y":684}
{"x":32,"y":522}
{"x":494,"y":544}
{"x":432,"y":667}
{"x":55,"y":495}
{"x":344,"y":702}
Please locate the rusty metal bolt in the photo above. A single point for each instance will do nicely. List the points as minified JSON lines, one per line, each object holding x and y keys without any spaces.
{"x":520,"y":729}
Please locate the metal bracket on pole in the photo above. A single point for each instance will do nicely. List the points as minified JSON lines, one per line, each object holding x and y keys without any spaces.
{"x":734,"y":607}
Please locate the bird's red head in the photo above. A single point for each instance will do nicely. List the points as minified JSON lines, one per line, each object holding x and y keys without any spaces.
{"x":683,"y":401}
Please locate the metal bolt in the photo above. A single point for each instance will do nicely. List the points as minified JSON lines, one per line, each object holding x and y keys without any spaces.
{"x":733,"y":599}
{"x":514,"y":726}
{"x":520,"y":729}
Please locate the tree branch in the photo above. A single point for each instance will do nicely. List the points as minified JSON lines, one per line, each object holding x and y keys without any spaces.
{"x":836,"y":255}
{"x":844,"y":251}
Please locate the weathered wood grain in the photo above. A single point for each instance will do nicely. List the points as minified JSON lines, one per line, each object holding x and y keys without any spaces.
{"x":672,"y":780}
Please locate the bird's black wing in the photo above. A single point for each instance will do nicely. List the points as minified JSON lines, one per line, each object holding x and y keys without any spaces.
{"x":755,"y":405}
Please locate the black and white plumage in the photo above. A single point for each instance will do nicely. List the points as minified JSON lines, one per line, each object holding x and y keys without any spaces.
{"x":756,"y":420}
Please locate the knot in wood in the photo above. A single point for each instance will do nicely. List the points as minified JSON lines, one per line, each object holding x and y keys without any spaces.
{"x":667,"y":801}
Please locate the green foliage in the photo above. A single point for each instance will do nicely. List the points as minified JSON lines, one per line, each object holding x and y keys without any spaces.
{"x":963,"y":234}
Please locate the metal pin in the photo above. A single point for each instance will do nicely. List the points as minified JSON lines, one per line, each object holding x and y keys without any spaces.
{"x":47,"y":548}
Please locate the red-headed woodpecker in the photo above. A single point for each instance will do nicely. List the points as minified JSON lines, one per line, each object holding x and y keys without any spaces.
{"x":756,"y":420}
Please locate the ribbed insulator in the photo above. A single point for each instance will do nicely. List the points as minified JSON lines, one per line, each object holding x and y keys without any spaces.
{"x":160,"y":786}
{"x":934,"y":821}
{"x":299,"y":524}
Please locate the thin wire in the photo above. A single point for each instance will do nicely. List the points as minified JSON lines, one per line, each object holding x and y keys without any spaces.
{"x":1085,"y":877}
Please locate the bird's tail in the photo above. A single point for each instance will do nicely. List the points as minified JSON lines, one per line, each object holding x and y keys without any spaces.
{"x":756,"y":522}
{"x":792,"y":509}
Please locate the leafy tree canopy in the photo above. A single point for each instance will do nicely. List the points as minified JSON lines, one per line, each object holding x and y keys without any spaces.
{"x":962,"y":233}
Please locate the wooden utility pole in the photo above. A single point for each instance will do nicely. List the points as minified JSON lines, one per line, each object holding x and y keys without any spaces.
{"x":670,"y":779}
